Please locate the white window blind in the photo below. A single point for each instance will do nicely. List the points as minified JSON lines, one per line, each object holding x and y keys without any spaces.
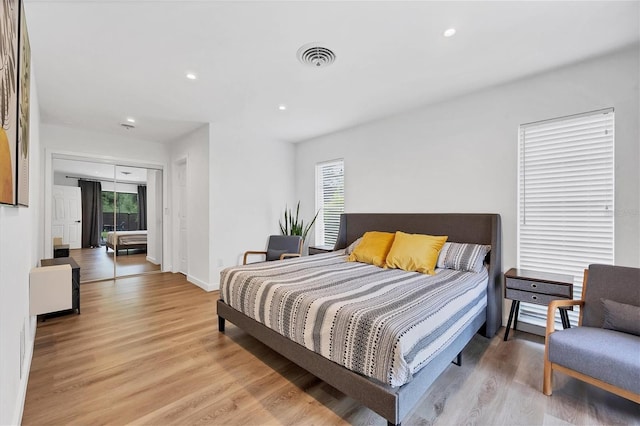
{"x":329,"y":200}
{"x":566,"y":194}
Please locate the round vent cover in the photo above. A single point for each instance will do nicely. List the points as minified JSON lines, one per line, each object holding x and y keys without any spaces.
{"x":314,"y":55}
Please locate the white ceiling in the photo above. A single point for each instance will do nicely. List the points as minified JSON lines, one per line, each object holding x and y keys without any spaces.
{"x":98,"y":62}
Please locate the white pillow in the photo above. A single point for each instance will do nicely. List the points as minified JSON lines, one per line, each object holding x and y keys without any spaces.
{"x":352,"y":246}
{"x":463,"y":256}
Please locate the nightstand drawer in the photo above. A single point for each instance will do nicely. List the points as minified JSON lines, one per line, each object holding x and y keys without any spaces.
{"x":563,"y":291}
{"x":536,"y":287}
{"x":530,"y":297}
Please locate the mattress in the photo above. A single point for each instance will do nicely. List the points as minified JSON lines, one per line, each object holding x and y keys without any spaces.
{"x":385,"y":324}
{"x":127,"y":238}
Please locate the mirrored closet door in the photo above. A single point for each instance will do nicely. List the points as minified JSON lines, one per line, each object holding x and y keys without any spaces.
{"x":109,"y":216}
{"x":137,"y":221}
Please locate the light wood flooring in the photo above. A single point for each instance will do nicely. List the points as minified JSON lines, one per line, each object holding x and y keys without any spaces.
{"x":97,"y":263}
{"x":146,"y":350}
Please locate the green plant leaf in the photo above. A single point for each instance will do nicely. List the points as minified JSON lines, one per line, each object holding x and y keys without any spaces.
{"x":293,"y":224}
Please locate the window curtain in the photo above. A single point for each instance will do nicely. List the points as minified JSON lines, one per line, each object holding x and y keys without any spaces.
{"x":91,"y":194}
{"x":142,"y":206}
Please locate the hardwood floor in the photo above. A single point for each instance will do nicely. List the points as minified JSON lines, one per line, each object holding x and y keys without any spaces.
{"x":97,"y":263}
{"x":146,"y":350}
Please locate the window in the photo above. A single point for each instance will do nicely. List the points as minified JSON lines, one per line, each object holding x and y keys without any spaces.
{"x":126,"y":218}
{"x":565,"y":207}
{"x":329,"y":200}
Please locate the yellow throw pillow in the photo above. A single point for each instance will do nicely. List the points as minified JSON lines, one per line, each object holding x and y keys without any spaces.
{"x":415,"y":252}
{"x":373,"y":248}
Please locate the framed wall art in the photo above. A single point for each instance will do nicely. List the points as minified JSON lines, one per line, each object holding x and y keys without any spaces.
{"x":24,"y":81}
{"x":8,"y":99}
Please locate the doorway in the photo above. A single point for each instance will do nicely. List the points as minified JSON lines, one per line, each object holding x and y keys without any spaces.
{"x":121,"y":228}
{"x":66,"y":222}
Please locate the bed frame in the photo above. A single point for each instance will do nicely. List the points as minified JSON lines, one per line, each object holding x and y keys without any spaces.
{"x":141,"y":246}
{"x":394,"y":403}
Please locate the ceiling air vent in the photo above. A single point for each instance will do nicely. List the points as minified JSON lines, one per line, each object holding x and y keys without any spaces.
{"x":314,"y":55}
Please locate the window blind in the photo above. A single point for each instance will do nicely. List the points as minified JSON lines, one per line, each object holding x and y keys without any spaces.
{"x":566,"y":199}
{"x":329,"y":200}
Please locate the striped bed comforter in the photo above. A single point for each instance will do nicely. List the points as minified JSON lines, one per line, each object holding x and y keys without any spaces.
{"x":383,"y":323}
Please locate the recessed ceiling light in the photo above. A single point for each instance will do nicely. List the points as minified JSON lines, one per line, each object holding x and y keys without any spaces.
{"x":191,"y":76}
{"x":282,"y":107}
{"x":450,"y":32}
{"x":131,"y":120}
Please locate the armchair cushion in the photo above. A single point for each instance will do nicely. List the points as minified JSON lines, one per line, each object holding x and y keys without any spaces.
{"x":607,"y":355}
{"x":621,"y":317}
{"x":618,"y":283}
{"x":273,"y":254}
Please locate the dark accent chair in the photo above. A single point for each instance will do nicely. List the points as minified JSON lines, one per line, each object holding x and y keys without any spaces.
{"x":604,"y":350}
{"x":279,"y":247}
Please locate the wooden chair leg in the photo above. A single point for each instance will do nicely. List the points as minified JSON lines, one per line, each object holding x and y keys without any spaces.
{"x":547,"y":381}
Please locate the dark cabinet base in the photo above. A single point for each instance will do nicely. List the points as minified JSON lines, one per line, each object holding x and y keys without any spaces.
{"x":61,"y":251}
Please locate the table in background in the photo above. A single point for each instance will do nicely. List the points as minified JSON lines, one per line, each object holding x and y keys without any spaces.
{"x":535,"y":287}
{"x":320,"y":249}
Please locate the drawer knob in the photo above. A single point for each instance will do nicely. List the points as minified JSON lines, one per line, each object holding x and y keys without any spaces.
{"x":534,"y":285}
{"x":534,"y":297}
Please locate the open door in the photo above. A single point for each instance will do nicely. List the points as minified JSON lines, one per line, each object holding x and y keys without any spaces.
{"x":66,"y":222}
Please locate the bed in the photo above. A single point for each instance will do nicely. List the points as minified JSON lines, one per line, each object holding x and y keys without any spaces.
{"x":384,"y":382}
{"x":126,"y":240}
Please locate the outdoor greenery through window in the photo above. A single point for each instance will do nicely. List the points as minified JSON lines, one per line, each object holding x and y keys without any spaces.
{"x":329,"y":200}
{"x":126,"y":217}
{"x":566,"y":199}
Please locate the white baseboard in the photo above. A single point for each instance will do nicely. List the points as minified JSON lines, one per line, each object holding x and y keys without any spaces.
{"x":152,"y":260}
{"x":202,"y":284}
{"x":22,"y":390}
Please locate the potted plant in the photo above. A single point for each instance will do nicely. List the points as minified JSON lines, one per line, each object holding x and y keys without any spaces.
{"x":293,"y":225}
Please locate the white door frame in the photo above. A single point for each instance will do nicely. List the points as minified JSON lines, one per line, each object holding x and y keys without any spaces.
{"x":176,"y":199}
{"x":50,"y":154}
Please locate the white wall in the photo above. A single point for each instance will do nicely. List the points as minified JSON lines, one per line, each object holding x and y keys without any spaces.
{"x":20,"y":250}
{"x":193,"y":147}
{"x":251,"y":181}
{"x":461,"y":155}
{"x":60,"y":178}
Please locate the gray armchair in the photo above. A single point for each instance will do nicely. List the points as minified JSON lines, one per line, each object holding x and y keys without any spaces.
{"x":279,"y":247}
{"x":604,"y":350}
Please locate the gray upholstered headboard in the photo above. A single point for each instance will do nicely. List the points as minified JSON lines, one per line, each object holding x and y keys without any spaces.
{"x":459,"y":227}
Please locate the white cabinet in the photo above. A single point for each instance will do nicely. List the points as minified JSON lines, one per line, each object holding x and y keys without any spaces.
{"x":50,"y":289}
